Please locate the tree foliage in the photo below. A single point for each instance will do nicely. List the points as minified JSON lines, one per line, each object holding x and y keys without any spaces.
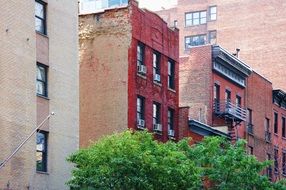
{"x":133,"y":160}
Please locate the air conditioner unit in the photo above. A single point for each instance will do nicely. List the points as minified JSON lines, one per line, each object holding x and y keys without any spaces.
{"x":171,"y":132}
{"x":157,"y":78}
{"x":141,"y":123}
{"x":157,"y":127}
{"x":141,"y":69}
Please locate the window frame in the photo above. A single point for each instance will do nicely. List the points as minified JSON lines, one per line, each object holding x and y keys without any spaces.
{"x":276,"y":163}
{"x":191,"y":39}
{"x":44,"y":19}
{"x":141,"y":112}
{"x":140,"y":57}
{"x":199,"y":18}
{"x":156,"y":65}
{"x":44,"y":152}
{"x":210,"y":39}
{"x":284,"y":162}
{"x":210,"y":13}
{"x":171,"y":74}
{"x":283,"y":123}
{"x":45,"y":81}
{"x":157,"y":113}
{"x":275,"y":123}
{"x":171,"y":117}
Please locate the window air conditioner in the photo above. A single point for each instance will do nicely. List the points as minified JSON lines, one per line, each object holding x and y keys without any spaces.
{"x":157,"y":78}
{"x":141,"y":69}
{"x":157,"y":127}
{"x":171,"y":132}
{"x":141,"y":123}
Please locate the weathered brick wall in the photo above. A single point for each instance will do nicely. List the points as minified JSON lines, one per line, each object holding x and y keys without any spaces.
{"x":104,"y":43}
{"x":195,"y":83}
{"x":242,"y":24}
{"x":259,"y":100}
{"x":17,"y":91}
{"x":183,"y":123}
{"x":149,"y":29}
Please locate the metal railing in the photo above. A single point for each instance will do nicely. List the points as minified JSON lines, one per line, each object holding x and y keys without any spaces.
{"x":225,"y":107}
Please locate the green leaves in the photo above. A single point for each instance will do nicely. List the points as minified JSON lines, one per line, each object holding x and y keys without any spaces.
{"x":133,"y":160}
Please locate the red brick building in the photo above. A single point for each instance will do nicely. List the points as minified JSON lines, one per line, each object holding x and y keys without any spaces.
{"x":255,"y":27}
{"x":279,"y":133}
{"x":128,"y":73}
{"x":213,"y":84}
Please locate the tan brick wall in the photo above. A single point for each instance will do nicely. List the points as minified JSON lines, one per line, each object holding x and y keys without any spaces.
{"x":104,"y":43}
{"x":17,"y":91}
{"x":63,"y":92}
{"x":20,"y":109}
{"x":256,"y":27}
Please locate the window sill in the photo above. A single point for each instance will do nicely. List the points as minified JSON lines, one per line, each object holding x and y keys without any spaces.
{"x":142,"y":76}
{"x":284,"y":138}
{"x":157,"y":83}
{"x":171,"y":138}
{"x":44,"y":35}
{"x":172,"y":90}
{"x":276,"y":134}
{"x":196,"y":25}
{"x":44,"y":173}
{"x":44,"y":97}
{"x":158,"y":132}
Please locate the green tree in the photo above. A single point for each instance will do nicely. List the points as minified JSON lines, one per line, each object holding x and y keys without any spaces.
{"x":227,"y":166}
{"x":133,"y":160}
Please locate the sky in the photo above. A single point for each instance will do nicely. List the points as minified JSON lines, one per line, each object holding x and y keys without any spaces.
{"x":155,"y":5}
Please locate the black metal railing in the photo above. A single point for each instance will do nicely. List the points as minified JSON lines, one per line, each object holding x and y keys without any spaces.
{"x":226,"y":107}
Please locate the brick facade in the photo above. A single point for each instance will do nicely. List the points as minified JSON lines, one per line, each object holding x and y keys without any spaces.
{"x":244,"y":25}
{"x":21,"y":109}
{"x":109,"y":81}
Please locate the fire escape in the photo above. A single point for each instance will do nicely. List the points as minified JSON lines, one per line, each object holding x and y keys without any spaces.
{"x":232,"y":113}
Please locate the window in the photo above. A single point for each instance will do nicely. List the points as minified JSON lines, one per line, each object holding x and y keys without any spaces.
{"x":40,"y":17}
{"x":156,"y":67}
{"x":42,"y":147}
{"x":156,"y":113}
{"x":213,"y":13}
{"x":275,"y":122}
{"x":140,"y":108}
{"x":238,"y":101}
{"x":170,"y":119}
{"x":195,"y":40}
{"x":112,"y":3}
{"x":212,"y":37}
{"x":249,"y":121}
{"x":175,"y":23}
{"x":249,"y":116}
{"x":250,"y":150}
{"x":140,"y":59}
{"x":41,"y":87}
{"x":171,"y":74}
{"x":196,"y":18}
{"x":269,"y":168}
{"x":267,"y":130}
{"x":216,"y":92}
{"x":276,"y":167}
{"x":284,"y":163}
{"x":228,"y":95}
{"x":283,"y":127}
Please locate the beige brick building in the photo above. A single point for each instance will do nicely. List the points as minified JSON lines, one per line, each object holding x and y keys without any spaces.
{"x":38,"y":74}
{"x":257,"y":28}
